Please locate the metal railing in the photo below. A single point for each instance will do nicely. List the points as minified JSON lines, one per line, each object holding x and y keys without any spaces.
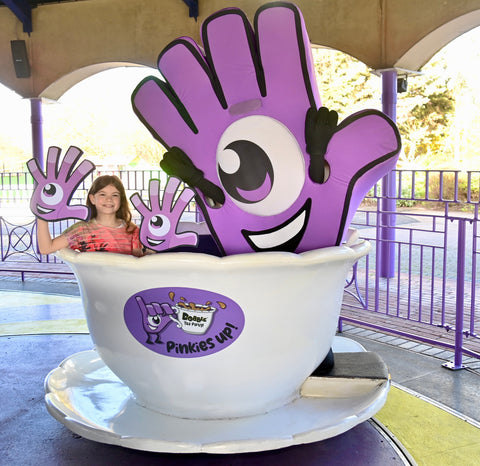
{"x":17,"y":225}
{"x":436,"y":248}
{"x":436,"y":244}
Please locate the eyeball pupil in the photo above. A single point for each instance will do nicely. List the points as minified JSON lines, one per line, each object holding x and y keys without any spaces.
{"x":50,"y":189}
{"x":157,"y":221}
{"x":248,"y":168}
{"x":156,"y":319}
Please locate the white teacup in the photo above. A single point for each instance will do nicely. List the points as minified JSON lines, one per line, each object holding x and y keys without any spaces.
{"x":275,"y":318}
{"x":195,"y":321}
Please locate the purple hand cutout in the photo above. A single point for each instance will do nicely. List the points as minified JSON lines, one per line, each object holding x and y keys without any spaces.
{"x":158,"y":230}
{"x":243,"y":123}
{"x":54,"y":188}
{"x":154,"y":319}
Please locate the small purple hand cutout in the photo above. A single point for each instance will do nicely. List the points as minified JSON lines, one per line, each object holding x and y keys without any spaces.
{"x":158,"y":230}
{"x":54,"y":189}
{"x":154,"y":318}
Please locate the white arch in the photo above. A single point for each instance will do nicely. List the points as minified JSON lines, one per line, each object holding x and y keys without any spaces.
{"x":62,"y":85}
{"x":427,"y":47}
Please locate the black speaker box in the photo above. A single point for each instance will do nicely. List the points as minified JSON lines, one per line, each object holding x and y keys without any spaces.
{"x":402,"y":85}
{"x":20,"y":58}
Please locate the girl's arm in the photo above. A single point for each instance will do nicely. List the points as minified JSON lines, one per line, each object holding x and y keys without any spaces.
{"x":46,"y":244}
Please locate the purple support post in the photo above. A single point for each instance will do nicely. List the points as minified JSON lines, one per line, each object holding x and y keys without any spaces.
{"x":199,"y":215}
{"x":459,"y":299}
{"x":386,"y":245}
{"x":37,"y":129}
{"x":36,"y":121}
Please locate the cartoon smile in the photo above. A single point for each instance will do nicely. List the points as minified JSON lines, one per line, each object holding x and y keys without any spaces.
{"x":153,"y":242}
{"x":43,"y":210}
{"x":284,"y":237}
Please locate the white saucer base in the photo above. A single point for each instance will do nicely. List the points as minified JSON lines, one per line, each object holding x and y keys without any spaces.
{"x":84,"y":395}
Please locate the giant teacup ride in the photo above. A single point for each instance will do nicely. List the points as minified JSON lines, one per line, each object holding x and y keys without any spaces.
{"x":198,"y":353}
{"x":231,"y":368}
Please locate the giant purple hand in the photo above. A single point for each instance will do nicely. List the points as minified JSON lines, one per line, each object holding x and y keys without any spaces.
{"x":242,"y":125}
{"x":54,"y":188}
{"x":158,"y":230}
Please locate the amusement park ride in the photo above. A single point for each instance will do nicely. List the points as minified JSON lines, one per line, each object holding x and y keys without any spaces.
{"x":226,"y":354}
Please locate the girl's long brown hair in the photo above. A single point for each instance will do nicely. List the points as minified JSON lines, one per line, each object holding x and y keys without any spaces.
{"x":123,"y":212}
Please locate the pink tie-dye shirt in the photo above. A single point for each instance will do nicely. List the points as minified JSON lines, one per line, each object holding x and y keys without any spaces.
{"x":89,"y":236}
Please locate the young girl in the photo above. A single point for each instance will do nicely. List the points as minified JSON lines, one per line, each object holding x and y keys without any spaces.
{"x":109,"y":229}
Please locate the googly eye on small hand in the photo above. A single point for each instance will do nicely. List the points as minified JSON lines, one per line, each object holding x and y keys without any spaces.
{"x":159,"y":225}
{"x":52,"y":194}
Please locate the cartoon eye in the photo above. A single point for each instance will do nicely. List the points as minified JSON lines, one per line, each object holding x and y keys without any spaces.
{"x":245,"y":171}
{"x":263,"y":173}
{"x":52,"y":194}
{"x":154,"y":321}
{"x":159,"y":225}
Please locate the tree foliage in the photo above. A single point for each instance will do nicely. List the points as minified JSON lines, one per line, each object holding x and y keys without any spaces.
{"x":424,"y":113}
{"x":438,"y":116}
{"x":345,"y":84}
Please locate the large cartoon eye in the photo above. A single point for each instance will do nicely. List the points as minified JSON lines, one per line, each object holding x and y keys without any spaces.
{"x":260,"y":165}
{"x":159,"y":225}
{"x":52,"y":194}
{"x":246,"y":172}
{"x":154,"y":321}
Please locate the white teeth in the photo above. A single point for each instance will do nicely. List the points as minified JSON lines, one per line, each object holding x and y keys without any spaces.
{"x":43,"y":210}
{"x":279,"y":237}
{"x":152,"y":242}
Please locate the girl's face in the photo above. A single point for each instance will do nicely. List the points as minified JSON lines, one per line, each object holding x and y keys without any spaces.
{"x":106,"y":200}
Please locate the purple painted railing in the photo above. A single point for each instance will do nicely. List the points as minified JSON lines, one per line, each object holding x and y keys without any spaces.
{"x":434,"y":280}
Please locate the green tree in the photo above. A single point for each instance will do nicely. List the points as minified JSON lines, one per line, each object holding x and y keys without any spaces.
{"x":424,"y":116}
{"x":346,"y":85}
{"x":424,"y":113}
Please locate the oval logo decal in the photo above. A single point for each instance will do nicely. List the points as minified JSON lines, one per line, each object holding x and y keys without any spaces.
{"x":183,"y":322}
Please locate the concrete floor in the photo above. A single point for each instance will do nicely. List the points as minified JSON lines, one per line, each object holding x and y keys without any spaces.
{"x":31,"y":436}
{"x":424,"y":374}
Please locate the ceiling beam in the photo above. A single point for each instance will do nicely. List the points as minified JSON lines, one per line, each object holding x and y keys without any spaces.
{"x":23,"y":11}
{"x":192,"y":8}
